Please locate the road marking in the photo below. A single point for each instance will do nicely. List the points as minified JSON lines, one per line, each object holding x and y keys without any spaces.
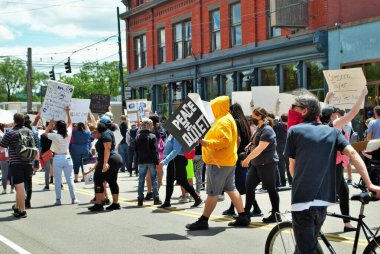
{"x":13,"y":245}
{"x":215,"y":218}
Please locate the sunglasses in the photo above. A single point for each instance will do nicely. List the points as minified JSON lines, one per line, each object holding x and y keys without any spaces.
{"x":297,"y":106}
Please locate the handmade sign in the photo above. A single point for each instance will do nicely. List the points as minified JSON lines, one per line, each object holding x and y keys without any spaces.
{"x":189,"y":122}
{"x":347,"y":85}
{"x":138,"y":109}
{"x":244,"y":99}
{"x":79,"y":110}
{"x":6,"y":116}
{"x":266,"y":97}
{"x":100,"y":103}
{"x":285,"y":103}
{"x":58,"y":96}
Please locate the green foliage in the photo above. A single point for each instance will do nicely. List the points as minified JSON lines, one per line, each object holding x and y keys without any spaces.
{"x":95,"y":78}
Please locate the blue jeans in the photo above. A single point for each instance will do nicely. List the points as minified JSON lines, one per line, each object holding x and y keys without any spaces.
{"x":306,"y":227}
{"x":123,"y":151}
{"x":4,"y":173}
{"x":143,"y":168}
{"x":131,"y":157}
{"x":63,"y":163}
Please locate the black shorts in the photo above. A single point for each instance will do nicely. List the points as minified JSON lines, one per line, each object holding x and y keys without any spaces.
{"x":20,"y":172}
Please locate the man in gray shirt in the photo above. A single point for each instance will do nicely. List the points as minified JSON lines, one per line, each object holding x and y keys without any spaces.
{"x":373,"y":131}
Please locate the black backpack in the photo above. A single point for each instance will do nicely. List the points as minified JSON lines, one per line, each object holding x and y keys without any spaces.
{"x":132,"y":135}
{"x":26,"y":148}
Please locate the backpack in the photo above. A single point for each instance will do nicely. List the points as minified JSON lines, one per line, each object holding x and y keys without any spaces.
{"x":132,"y":135}
{"x":26,"y":148}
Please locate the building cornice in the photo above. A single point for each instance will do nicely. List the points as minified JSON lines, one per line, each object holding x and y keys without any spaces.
{"x":141,"y":8}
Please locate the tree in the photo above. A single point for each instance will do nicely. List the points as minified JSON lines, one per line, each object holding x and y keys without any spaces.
{"x":95,"y":78}
{"x":12,"y":75}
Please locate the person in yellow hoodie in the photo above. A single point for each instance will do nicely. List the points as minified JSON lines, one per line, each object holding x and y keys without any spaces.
{"x":219,"y":151}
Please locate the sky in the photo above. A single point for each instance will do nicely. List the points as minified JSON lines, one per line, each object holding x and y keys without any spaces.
{"x":56,"y":30}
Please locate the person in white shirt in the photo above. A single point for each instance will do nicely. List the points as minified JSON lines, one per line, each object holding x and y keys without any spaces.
{"x":62,"y":160}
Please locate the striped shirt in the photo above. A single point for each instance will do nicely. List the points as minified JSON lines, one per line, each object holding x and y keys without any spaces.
{"x":10,"y":141}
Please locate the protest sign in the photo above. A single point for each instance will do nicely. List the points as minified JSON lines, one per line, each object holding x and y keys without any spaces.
{"x":100,"y":103}
{"x":188,"y":123}
{"x":58,"y":96}
{"x":6,"y":116}
{"x":266,"y":97}
{"x":244,"y":99}
{"x":285,"y":102}
{"x":79,"y":110}
{"x":138,"y":109}
{"x":347,"y":85}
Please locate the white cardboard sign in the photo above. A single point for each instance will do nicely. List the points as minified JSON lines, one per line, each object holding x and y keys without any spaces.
{"x":347,"y":85}
{"x":79,"y":110}
{"x":244,"y":99}
{"x":285,"y":102}
{"x":266,"y":97}
{"x":58,"y":96}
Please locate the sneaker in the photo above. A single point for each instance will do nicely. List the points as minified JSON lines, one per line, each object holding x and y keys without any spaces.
{"x":82,"y":180}
{"x":75,"y":201}
{"x":349,"y":181}
{"x":183,"y":199}
{"x":272,"y":218}
{"x":46,"y":188}
{"x":58,"y":202}
{"x":27,"y":204}
{"x":105,"y":202}
{"x":198,"y":225}
{"x":4,"y":191}
{"x":19,"y":214}
{"x":96,"y":208}
{"x":256,"y":213}
{"x":148,"y":196}
{"x":157,"y":201}
{"x":197,"y":202}
{"x":229,"y":212}
{"x":220,"y":197}
{"x":164,"y":205}
{"x":14,"y":208}
{"x":241,"y":221}
{"x":12,"y":190}
{"x":113,"y":206}
{"x":140,"y":202}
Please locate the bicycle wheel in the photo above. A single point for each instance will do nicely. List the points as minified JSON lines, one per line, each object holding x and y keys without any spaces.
{"x":373,"y":246}
{"x":281,"y":239}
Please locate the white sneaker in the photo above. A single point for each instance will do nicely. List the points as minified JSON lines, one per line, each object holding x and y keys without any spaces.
{"x":220,"y":197}
{"x":4,"y":191}
{"x":75,"y":201}
{"x":183,"y":199}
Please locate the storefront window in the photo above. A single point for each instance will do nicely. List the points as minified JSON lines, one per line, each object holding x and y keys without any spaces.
{"x":245,"y":80}
{"x":314,"y":78}
{"x":163,"y":104}
{"x":289,"y":77}
{"x":147,"y":93}
{"x":212,"y":87}
{"x":228,"y":84}
{"x":372,"y":72}
{"x":267,"y":77}
{"x":177,"y":94}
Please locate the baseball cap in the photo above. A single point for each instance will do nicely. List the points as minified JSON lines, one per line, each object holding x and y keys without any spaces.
{"x":105,"y":119}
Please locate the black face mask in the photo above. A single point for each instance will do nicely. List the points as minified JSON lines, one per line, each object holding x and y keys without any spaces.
{"x":255,"y":121}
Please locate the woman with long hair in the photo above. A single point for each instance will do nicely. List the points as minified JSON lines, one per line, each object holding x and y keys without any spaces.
{"x":244,"y":133}
{"x":79,"y":148}
{"x":263,"y":161}
{"x":107,"y":166}
{"x":62,"y":160}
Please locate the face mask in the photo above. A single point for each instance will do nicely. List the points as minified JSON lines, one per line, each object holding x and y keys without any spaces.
{"x":294,"y":118}
{"x":255,"y":121}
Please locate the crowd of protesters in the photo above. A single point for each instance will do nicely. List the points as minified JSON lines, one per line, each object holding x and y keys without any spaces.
{"x":308,"y":149}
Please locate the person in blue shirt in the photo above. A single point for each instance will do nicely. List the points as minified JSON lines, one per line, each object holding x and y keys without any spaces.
{"x":176,"y":161}
{"x":79,"y":148}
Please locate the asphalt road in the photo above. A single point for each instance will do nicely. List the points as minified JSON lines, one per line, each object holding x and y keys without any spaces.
{"x":73,"y":229}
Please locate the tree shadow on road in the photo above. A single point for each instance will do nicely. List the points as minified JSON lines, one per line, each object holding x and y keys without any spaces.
{"x":9,"y":218}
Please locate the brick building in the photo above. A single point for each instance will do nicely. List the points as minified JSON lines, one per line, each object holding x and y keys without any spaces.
{"x":214,"y":47}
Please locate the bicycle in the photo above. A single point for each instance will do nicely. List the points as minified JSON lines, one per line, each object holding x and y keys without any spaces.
{"x":281,"y":238}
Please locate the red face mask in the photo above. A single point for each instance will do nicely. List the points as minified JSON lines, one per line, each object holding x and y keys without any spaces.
{"x":294,"y":118}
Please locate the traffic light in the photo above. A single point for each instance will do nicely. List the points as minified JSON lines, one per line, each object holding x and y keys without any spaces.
{"x":52,"y":74}
{"x":68,"y":66}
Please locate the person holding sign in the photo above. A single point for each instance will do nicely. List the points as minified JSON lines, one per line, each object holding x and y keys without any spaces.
{"x":62,"y":160}
{"x":219,"y":149}
{"x":176,"y":161}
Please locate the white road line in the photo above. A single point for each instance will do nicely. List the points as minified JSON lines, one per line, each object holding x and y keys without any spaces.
{"x":13,"y":245}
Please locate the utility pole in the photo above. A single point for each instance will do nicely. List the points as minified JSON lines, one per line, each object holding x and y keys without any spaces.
{"x":122,"y":87}
{"x":29,"y":81}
